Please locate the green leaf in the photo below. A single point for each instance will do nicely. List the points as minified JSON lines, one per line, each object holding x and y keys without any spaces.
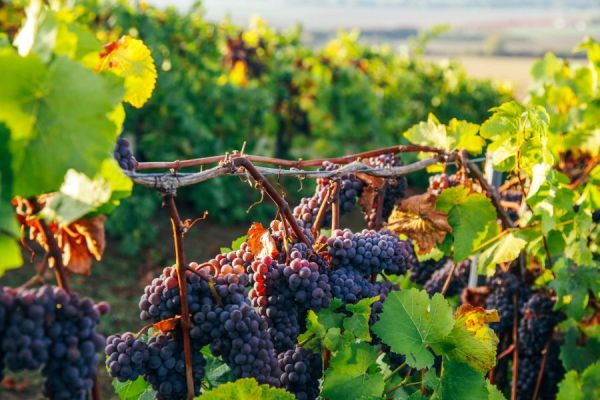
{"x":358,"y":322}
{"x":11,"y":254}
{"x":410,"y":322}
{"x":350,"y":374}
{"x":504,"y":250}
{"x":217,"y":372}
{"x":580,"y":387}
{"x":573,"y":284}
{"x":430,"y":133}
{"x":471,"y":340}
{"x":465,"y":136}
{"x":58,"y":117}
{"x":237,"y":243}
{"x":494,"y":393}
{"x":576,"y":356}
{"x":80,"y":195}
{"x":460,"y":381}
{"x":246,"y":389}
{"x":131,"y":390}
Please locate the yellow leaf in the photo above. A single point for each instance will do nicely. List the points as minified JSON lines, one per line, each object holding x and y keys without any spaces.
{"x":131,"y":59}
{"x":239,"y":74}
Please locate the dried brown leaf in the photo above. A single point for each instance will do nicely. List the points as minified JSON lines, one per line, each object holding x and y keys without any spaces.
{"x":260,"y":242}
{"x":417,"y":218}
{"x":81,"y":241}
{"x":167,"y":325}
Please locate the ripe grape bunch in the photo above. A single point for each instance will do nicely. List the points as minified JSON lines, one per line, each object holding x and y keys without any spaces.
{"x":301,"y":371}
{"x":51,"y":328}
{"x":369,"y":252}
{"x":504,"y":286}
{"x":459,"y":281}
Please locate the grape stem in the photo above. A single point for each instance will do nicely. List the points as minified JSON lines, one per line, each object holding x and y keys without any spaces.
{"x":273,"y":194}
{"x":335,"y":211}
{"x":448,"y":279}
{"x":515,"y":343}
{"x":288,"y":163}
{"x":331,"y":192}
{"x":394,"y":372}
{"x":540,"y":377}
{"x":38,"y":278}
{"x":179,"y":229}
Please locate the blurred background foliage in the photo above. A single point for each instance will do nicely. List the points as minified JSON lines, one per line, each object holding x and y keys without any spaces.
{"x":221,"y":87}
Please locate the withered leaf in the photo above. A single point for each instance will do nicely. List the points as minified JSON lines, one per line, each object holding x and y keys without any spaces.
{"x":167,"y":325}
{"x":80,"y":241}
{"x":260,"y":242}
{"x":417,"y":218}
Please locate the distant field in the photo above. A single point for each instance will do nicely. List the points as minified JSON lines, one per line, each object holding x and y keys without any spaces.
{"x":513,"y":69}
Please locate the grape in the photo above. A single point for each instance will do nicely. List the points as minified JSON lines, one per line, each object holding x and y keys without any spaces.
{"x":421,"y":272}
{"x":7,"y":297}
{"x":301,"y":371}
{"x":596,"y":216}
{"x":123,"y":154}
{"x":504,"y":286}
{"x":537,"y":324}
{"x":126,"y":356}
{"x":394,"y":191}
{"x":165,"y":367}
{"x":457,"y":284}
{"x":529,"y":368}
{"x":369,"y":251}
{"x":25,"y":343}
{"x":440,"y":182}
{"x":71,"y":367}
{"x":513,"y":196}
{"x":351,"y":286}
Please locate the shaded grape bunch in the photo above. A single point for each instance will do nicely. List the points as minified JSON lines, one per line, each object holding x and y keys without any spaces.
{"x":165,"y":367}
{"x":596,"y":216}
{"x":126,"y":357}
{"x":350,"y":189}
{"x":369,"y":252}
{"x":422,"y":272}
{"x":538,"y":322}
{"x":7,"y":297}
{"x":459,"y":281}
{"x":26,"y":345}
{"x":301,"y":371}
{"x":529,"y":368}
{"x":395,"y":188}
{"x":123,"y":154}
{"x":71,"y":367}
{"x":504,"y":285}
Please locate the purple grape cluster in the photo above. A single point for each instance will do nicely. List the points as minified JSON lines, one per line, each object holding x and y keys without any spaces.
{"x":123,"y":154}
{"x":74,"y":345}
{"x":126,"y":356}
{"x":301,"y":371}
{"x":54,"y":330}
{"x":420,"y":273}
{"x":165,"y":367}
{"x":369,"y":252}
{"x":395,"y":188}
{"x":459,"y":281}
{"x":529,"y":368}
{"x":504,"y":285}
{"x":538,"y":322}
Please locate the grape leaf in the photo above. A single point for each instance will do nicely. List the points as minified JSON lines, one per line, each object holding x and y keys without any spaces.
{"x":582,"y":386}
{"x":11,"y":253}
{"x":350,"y":374}
{"x":260,"y":242}
{"x":465,"y":136}
{"x":410,"y":322}
{"x":59,"y":119}
{"x":471,"y":216}
{"x":131,"y":390}
{"x":460,"y":381}
{"x":246,"y":389}
{"x":358,"y":322}
{"x":504,"y":250}
{"x":579,"y":357}
{"x":494,"y":393}
{"x":80,"y":195}
{"x":471,"y":340}
{"x":217,"y":372}
{"x":430,"y":133}
{"x":132,"y":60}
